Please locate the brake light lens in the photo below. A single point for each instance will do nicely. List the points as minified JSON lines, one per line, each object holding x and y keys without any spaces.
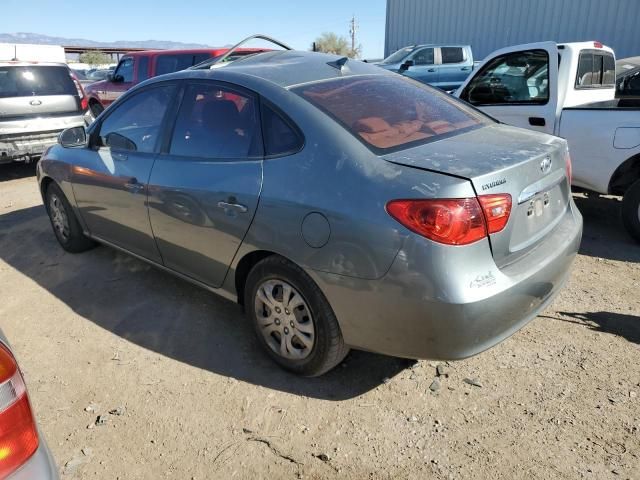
{"x":497,"y":209}
{"x":18,"y":434}
{"x":84,"y":101}
{"x":453,"y":221}
{"x":568,"y":167}
{"x":597,"y":44}
{"x":456,"y":221}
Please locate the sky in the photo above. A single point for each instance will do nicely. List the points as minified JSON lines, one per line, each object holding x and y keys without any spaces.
{"x":211,"y":22}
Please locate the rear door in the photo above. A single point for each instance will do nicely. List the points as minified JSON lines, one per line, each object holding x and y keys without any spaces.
{"x":518,"y":86}
{"x":110,"y":178}
{"x":424,"y":68}
{"x":454,"y":68}
{"x":204,"y":187}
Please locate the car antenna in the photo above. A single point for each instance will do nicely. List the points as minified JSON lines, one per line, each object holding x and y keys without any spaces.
{"x":338,"y":63}
{"x":210,"y":63}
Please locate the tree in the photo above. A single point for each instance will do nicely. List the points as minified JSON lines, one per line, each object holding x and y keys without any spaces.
{"x":95,"y":58}
{"x":329,"y":42}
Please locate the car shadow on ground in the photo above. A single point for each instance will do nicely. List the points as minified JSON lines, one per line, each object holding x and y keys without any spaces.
{"x":17,"y":170}
{"x":621,"y":324}
{"x":162,"y":313}
{"x":604,"y":234}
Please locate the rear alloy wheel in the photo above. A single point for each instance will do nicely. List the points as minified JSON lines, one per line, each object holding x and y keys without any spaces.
{"x":64,"y":222}
{"x":293,"y":320}
{"x":631,"y":210}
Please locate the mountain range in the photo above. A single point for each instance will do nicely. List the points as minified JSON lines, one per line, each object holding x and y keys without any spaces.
{"x":24,"y":37}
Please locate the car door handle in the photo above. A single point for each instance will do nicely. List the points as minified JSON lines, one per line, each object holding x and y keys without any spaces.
{"x":465,"y":69}
{"x":233,"y":206}
{"x":431,"y":70}
{"x":133,"y":185}
{"x":537,"y":121}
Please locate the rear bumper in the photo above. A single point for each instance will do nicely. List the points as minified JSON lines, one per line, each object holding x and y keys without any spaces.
{"x":449,"y":302}
{"x":31,"y":138}
{"x":40,"y":466}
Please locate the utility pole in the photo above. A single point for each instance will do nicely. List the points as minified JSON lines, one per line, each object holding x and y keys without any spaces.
{"x":353,"y":28}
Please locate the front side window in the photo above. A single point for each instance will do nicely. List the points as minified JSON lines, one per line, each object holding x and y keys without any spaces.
{"x":391,"y":113}
{"x":125,"y":70}
{"x":423,"y":57}
{"x":135,"y":124}
{"x":515,"y":78}
{"x":452,"y":54}
{"x":216,"y":122}
{"x":397,"y":56}
{"x":596,"y":69}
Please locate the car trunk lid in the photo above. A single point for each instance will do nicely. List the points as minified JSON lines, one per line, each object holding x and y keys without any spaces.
{"x":497,"y":159}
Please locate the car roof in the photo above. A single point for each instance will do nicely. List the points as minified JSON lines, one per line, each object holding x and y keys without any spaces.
{"x":213,"y":50}
{"x":285,"y":68}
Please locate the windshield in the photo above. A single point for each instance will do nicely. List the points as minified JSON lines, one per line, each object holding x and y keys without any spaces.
{"x":21,"y":81}
{"x":398,"y":56}
{"x":390,"y":112}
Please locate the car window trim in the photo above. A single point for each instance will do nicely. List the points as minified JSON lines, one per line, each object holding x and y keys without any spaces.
{"x":184,"y":84}
{"x":94,"y":131}
{"x":465,"y":93}
{"x":288,"y":121}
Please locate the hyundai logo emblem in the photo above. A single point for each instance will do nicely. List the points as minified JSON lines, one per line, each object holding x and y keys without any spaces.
{"x":545,"y":165}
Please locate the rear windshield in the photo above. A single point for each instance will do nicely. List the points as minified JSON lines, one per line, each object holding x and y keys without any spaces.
{"x":26,"y":81}
{"x":390,"y":113}
{"x":170,"y":63}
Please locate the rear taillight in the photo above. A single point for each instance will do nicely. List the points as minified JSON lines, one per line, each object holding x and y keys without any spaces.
{"x":457,"y":221}
{"x":18,"y":434}
{"x":84,"y":101}
{"x":453,"y":221}
{"x":567,"y":165}
{"x":497,"y":209}
{"x":597,"y":44}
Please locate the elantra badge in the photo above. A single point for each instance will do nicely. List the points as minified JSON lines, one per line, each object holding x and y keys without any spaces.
{"x":545,"y":165}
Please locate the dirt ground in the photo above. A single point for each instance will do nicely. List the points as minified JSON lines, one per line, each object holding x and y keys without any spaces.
{"x":193,"y":397}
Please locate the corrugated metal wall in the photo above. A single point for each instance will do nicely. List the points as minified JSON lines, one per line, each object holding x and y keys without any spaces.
{"x":491,"y":24}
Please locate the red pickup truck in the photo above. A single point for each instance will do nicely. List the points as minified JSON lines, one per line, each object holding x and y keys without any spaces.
{"x":136,"y":67}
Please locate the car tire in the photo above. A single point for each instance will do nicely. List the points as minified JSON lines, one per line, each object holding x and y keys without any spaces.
{"x":96,"y":109}
{"x":64,"y":221}
{"x":631,"y":210}
{"x":299,"y":331}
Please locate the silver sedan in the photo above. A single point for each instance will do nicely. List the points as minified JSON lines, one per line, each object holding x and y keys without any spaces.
{"x":342,"y":205}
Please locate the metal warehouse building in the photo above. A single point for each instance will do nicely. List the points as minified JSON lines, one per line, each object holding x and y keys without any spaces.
{"x":487,"y":25}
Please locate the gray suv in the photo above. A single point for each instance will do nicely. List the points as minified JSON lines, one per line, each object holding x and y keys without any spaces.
{"x":37,"y":102}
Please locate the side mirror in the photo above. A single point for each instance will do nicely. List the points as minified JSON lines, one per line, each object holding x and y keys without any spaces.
{"x":406,"y":65}
{"x":109,"y":77}
{"x":120,"y":142}
{"x":73,"y":137}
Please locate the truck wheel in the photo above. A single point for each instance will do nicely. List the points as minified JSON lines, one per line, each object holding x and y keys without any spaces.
{"x":293,"y":320}
{"x":96,"y":109}
{"x":631,"y":210}
{"x":64,"y":222}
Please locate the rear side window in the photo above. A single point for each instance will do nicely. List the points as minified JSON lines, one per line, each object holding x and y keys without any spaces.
{"x":216,"y":122}
{"x":169,"y":63}
{"x":452,"y":54}
{"x":143,"y":69}
{"x":391,"y":113}
{"x":35,"y":80}
{"x":596,"y":69}
{"x":280,"y":136}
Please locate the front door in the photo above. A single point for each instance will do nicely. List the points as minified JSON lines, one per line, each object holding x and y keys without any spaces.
{"x":204,"y":189}
{"x":110,"y":178}
{"x":122,"y":80}
{"x":518,"y":86}
{"x":423,"y":68}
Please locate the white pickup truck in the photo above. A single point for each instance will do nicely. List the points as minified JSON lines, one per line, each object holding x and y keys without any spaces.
{"x":568,"y":90}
